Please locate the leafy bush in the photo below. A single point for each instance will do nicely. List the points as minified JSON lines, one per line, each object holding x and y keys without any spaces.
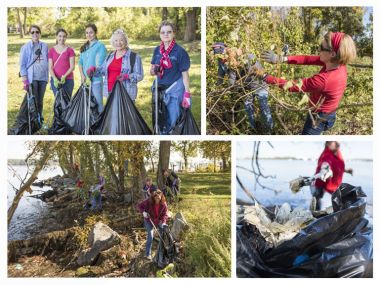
{"x":255,"y":29}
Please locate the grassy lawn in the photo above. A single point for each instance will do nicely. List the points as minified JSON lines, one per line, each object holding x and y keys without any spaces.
{"x":143,"y":101}
{"x":206,"y":205}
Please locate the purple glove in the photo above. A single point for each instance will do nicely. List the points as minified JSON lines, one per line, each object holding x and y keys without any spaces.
{"x":186,"y":102}
{"x":123,"y":77}
{"x":90,"y":71}
{"x":26,"y":84}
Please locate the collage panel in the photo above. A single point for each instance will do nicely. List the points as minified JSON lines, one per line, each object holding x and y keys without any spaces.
{"x":119,"y":209}
{"x":289,"y":70}
{"x":104,"y":70}
{"x":304,"y":209}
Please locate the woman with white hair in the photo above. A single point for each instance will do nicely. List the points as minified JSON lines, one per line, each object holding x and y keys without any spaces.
{"x":121,"y":64}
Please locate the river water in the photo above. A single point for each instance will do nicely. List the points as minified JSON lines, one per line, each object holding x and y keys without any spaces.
{"x":30,"y":212}
{"x":286,"y":170}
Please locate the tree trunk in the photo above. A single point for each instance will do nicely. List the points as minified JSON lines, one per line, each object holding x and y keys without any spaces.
{"x":164,"y":14}
{"x":224,"y":163}
{"x":108,"y":161}
{"x":191,"y":20}
{"x":163,"y":161}
{"x":214,"y":164}
{"x":25,"y":16}
{"x":20,"y":26}
{"x":121,"y":168}
{"x":26,"y":186}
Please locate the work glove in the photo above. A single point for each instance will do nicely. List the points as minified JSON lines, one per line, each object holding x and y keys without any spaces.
{"x":145,"y":215}
{"x":186,"y":102}
{"x":350,"y":171}
{"x":26,"y":84}
{"x":56,"y":82}
{"x":123,"y":77}
{"x":90,"y":71}
{"x":218,"y":47}
{"x":63,"y":80}
{"x":88,"y":81}
{"x":325,"y":172}
{"x":271,"y":57}
{"x":162,"y":224}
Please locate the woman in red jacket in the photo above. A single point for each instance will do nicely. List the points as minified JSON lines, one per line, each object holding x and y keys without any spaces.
{"x":155,"y":212}
{"x":327,"y":87}
{"x":330,"y":170}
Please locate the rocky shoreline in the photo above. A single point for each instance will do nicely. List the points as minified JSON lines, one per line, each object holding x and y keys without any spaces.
{"x":75,"y":242}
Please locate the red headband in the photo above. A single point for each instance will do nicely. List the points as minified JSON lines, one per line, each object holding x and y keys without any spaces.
{"x":336,"y":38}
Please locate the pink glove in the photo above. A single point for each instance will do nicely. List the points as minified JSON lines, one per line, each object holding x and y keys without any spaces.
{"x":90,"y":71}
{"x":122,"y":77}
{"x":186,"y":102}
{"x":26,"y":84}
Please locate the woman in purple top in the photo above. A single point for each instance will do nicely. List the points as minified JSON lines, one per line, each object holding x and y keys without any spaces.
{"x":61,"y":64}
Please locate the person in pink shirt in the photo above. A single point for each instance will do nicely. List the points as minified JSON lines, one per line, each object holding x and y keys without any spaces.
{"x":61,"y":64}
{"x":326,"y":88}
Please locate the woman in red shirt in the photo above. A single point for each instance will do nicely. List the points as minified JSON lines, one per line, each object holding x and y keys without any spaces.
{"x":330,"y":170}
{"x":155,"y":212}
{"x":121,"y":64}
{"x":327,"y":87}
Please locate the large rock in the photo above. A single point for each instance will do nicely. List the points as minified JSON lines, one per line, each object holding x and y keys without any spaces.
{"x":179,"y":226}
{"x":101,"y":237}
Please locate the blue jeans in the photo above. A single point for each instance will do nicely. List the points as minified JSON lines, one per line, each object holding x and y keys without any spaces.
{"x":97,"y":91}
{"x":96,"y":202}
{"x":324,"y":121}
{"x":149,"y":229}
{"x":173,"y":101}
{"x":68,"y":85}
{"x":318,"y":194}
{"x":266,"y":115}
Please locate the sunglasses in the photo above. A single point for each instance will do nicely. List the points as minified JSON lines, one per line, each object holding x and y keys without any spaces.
{"x":35,"y":32}
{"x":322,"y":48}
{"x":166,"y":32}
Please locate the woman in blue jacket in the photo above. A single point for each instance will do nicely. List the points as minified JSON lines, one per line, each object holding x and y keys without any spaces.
{"x":34,"y":66}
{"x":171,"y":63}
{"x":92,"y":53}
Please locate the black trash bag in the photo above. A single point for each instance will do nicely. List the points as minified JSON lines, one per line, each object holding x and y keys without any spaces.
{"x":28,"y":121}
{"x":167,"y":249}
{"x":335,"y":245}
{"x":186,"y":124}
{"x":75,"y":115}
{"x":61,"y":103}
{"x":120,"y":115}
{"x":162,"y":111}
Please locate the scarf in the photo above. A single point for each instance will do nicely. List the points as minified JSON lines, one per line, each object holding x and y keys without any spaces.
{"x":165,"y":62}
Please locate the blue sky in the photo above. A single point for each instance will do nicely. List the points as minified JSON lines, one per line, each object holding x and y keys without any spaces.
{"x":304,"y":150}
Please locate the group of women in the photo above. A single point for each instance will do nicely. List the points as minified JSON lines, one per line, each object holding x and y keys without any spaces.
{"x":170,"y":65}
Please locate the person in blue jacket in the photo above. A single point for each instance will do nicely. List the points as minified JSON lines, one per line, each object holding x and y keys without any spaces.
{"x":171,"y":63}
{"x":93,"y":53}
{"x":34,"y":66}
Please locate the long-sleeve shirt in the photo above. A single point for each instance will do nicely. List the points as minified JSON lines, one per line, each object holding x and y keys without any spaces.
{"x":134,"y":77}
{"x":327,"y":86}
{"x":336,"y":162}
{"x":160,"y":216}
{"x":93,"y":56}
{"x":27,"y":56}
